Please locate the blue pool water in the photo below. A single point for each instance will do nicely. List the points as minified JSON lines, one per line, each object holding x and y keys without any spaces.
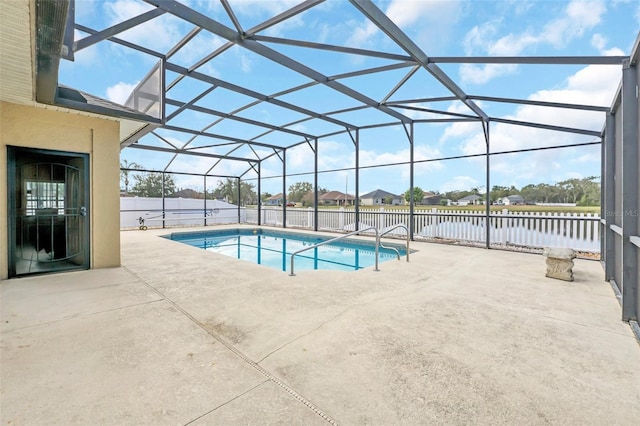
{"x":273,"y":249}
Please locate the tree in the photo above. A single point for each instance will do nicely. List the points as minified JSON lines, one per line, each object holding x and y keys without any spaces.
{"x":309,"y":197}
{"x":418,"y":194}
{"x":590,"y":192}
{"x":228,"y":190}
{"x":498,"y":192}
{"x":456,"y":195}
{"x":388,"y":199}
{"x":150,"y":185}
{"x":125,"y":169}
{"x":265,"y":196}
{"x":299,"y":190}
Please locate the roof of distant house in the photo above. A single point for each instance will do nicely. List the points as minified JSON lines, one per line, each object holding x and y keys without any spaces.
{"x":185,"y":193}
{"x":336,"y":195}
{"x":276,"y":196}
{"x":472,"y":197}
{"x":430,"y":195}
{"x":515,"y":197}
{"x":378,"y":193}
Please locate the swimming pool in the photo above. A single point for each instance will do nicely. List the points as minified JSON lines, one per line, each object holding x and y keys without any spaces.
{"x":273,"y":249}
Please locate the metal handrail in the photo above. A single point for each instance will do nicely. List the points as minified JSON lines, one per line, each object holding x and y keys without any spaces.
{"x":379,"y":244}
{"x":341,"y":237}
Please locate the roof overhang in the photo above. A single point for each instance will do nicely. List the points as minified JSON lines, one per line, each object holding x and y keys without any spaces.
{"x":35,"y":35}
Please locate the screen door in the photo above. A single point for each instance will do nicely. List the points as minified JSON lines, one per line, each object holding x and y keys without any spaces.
{"x":48,"y":211}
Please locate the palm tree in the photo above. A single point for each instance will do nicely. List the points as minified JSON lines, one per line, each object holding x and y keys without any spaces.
{"x":125,"y":168}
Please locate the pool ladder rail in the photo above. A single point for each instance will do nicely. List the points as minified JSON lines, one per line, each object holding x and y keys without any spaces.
{"x":359,"y":231}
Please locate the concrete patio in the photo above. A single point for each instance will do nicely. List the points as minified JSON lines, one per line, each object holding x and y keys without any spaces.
{"x":180,"y":336}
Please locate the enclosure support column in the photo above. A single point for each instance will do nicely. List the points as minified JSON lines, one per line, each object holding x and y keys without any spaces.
{"x":487,"y":200}
{"x":411,"y":173}
{"x":284,"y":188}
{"x":163,"y":211}
{"x":259,"y":196}
{"x":315,"y":185}
{"x":239,"y":194}
{"x":356,"y":202}
{"x":630,"y":185}
{"x":205,"y":200}
{"x":608,"y":190}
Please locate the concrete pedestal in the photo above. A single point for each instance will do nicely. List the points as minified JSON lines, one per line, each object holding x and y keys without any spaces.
{"x":559,"y":263}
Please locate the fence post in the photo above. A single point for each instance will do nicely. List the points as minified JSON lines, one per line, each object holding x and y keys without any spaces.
{"x":505,"y":229}
{"x":341,"y":218}
{"x":381,"y":219}
{"x":434,"y":222}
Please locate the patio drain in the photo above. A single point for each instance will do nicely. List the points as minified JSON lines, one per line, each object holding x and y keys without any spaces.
{"x":242,"y":356}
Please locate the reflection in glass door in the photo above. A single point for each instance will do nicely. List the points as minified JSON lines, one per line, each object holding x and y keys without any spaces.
{"x":48,"y":223}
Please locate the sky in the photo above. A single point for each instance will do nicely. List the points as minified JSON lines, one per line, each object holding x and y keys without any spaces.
{"x":438,"y":28}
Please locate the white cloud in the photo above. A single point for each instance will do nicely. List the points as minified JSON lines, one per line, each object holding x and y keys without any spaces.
{"x":362,"y":35}
{"x":512,"y":44}
{"x":246,"y":64}
{"x":428,"y":23}
{"x":119,"y":92}
{"x":160,"y":33}
{"x":578,"y":17}
{"x":337,"y":155}
{"x":407,"y":13}
{"x":198,"y":48}
{"x":480,"y":36}
{"x":85,"y":57}
{"x":592,"y":85}
{"x":459,"y":183}
{"x":598,"y":41}
{"x":480,"y":74}
{"x":261,"y":7}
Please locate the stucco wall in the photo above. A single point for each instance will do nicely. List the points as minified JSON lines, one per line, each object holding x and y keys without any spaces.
{"x":35,"y":127}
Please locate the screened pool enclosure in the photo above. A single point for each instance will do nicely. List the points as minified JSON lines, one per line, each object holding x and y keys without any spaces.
{"x":227,"y":94}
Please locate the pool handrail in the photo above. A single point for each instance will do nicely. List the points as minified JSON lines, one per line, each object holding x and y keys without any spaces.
{"x":386,"y":231}
{"x":332,"y":240}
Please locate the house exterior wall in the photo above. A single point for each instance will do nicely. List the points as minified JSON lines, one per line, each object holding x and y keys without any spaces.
{"x":378,"y":201}
{"x":34,"y":127}
{"x":271,"y":202}
{"x":366,"y":201}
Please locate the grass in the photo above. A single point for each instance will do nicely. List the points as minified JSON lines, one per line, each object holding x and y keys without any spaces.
{"x":547,"y":209}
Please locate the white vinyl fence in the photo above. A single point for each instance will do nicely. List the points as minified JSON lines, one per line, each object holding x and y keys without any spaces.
{"x":177,"y":212}
{"x":578,"y":231}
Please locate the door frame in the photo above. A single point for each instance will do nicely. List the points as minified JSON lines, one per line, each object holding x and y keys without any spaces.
{"x":13,"y":152}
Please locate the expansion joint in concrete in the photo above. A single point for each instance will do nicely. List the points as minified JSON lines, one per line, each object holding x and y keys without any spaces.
{"x":239,"y":354}
{"x":226,"y":402}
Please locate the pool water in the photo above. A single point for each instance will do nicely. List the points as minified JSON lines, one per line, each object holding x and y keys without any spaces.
{"x":273,"y":249}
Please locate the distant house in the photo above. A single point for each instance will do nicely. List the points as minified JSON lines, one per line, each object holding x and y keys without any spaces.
{"x":274,"y":200}
{"x":308,"y":199}
{"x":470,"y":200}
{"x":186,"y":193}
{"x":431,"y":199}
{"x":512,"y":200}
{"x":379,"y":197}
{"x":336,"y":198}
